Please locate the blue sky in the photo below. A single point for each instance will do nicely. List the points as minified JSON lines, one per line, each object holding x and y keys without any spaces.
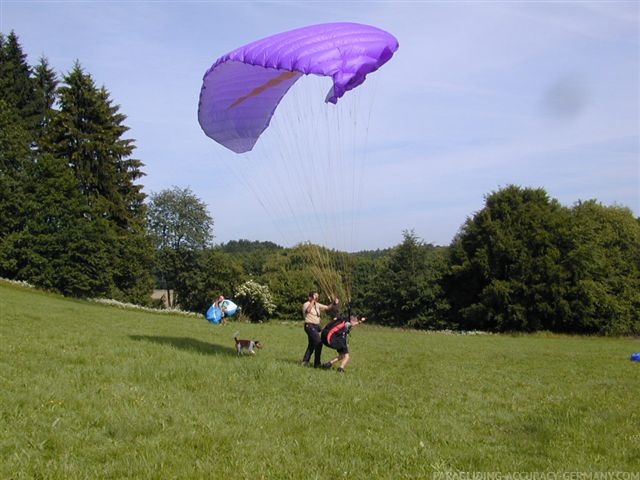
{"x":480,"y":95}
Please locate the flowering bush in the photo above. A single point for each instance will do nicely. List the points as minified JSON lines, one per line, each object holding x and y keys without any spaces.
{"x":255,"y":300}
{"x":132,"y":306}
{"x":20,"y":283}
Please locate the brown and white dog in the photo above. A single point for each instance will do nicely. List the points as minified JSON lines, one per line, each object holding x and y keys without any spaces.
{"x":246,"y":345}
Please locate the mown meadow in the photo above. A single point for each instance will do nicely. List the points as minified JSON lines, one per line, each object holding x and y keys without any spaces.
{"x":95,"y":391}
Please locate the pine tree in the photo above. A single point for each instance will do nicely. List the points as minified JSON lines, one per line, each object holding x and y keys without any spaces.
{"x":87,"y":133}
{"x":16,"y":83}
{"x":14,"y":160}
{"x":45,"y":84}
{"x":59,"y":246}
{"x":411,"y":274}
{"x":16,"y":135}
{"x":98,"y":244}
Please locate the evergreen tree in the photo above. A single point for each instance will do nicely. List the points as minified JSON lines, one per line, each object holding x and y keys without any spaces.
{"x":15,"y":141}
{"x":45,"y":84}
{"x":14,"y":161}
{"x":365,"y":268}
{"x":59,"y":246}
{"x":406,"y":290}
{"x":87,"y":133}
{"x":16,"y":84}
{"x":84,"y":236}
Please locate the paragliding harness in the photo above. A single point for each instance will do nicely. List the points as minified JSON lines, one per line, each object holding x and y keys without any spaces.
{"x":334,"y":334}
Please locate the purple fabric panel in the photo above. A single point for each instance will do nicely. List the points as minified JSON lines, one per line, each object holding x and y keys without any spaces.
{"x":345,"y":51}
{"x":237,"y":101}
{"x":238,"y":127}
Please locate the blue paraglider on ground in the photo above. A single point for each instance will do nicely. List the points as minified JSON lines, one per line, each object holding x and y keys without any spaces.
{"x":635,"y":357}
{"x":215,"y":313}
{"x":228,"y":307}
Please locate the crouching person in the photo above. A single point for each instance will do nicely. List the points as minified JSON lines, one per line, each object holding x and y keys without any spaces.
{"x":335,"y":335}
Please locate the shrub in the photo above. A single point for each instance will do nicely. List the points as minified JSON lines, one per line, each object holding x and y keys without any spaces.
{"x":255,"y":300}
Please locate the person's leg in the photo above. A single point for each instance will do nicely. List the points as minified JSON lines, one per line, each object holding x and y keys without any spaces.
{"x":317,"y":346}
{"x":344,"y":361}
{"x":340,"y":344}
{"x":330,"y":363}
{"x":311,"y":344}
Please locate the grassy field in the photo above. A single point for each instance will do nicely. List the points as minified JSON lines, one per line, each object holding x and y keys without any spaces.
{"x":92,"y":391}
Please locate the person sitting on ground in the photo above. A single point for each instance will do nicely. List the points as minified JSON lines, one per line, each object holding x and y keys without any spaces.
{"x":334,"y":335}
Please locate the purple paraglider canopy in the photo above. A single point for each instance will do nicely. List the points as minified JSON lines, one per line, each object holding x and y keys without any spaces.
{"x":242,"y":89}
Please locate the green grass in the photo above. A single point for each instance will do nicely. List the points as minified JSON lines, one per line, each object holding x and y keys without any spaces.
{"x":92,"y":391}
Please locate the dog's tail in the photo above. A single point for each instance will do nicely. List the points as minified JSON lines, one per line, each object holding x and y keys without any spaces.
{"x":235,"y":336}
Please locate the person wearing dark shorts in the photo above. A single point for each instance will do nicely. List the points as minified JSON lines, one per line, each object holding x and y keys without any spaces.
{"x":335,"y":336}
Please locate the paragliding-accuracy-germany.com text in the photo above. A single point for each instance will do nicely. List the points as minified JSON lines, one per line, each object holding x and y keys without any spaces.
{"x":536,"y":476}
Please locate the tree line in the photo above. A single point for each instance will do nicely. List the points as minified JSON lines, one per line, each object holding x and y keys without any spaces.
{"x":73,"y":214}
{"x":75,"y":220}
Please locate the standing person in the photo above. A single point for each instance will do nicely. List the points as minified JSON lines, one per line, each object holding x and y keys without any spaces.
{"x":311,"y":313}
{"x":334,"y":335}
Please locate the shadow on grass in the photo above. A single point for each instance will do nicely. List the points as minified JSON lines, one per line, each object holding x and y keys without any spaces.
{"x":185,"y":343}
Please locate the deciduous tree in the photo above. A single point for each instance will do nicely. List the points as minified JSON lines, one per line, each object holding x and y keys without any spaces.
{"x":180,"y":226}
